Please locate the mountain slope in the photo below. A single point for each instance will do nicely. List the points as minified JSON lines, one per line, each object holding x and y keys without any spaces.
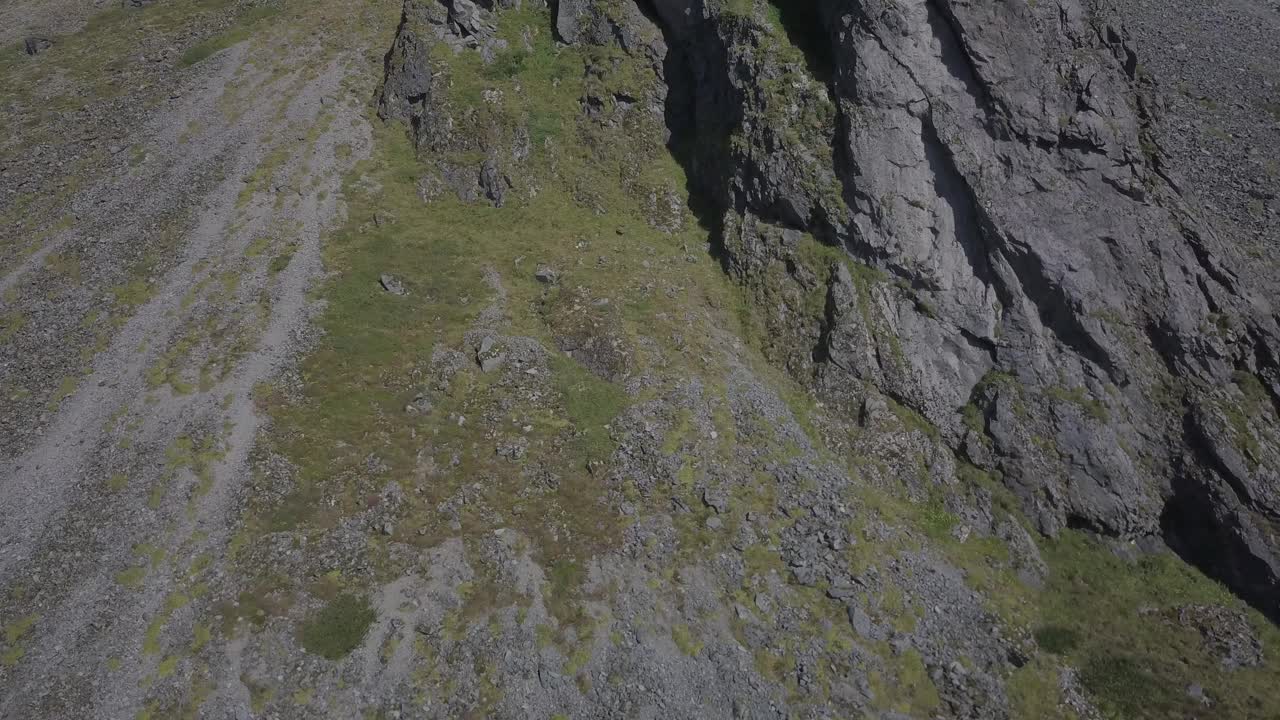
{"x":723,"y":359}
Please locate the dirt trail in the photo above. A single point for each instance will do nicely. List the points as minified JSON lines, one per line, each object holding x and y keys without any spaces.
{"x":130,"y":492}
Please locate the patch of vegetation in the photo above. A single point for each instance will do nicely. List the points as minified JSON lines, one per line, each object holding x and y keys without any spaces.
{"x":65,"y":389}
{"x":201,"y":635}
{"x":267,"y":598}
{"x":338,"y":628}
{"x":10,"y":324}
{"x":590,"y":404}
{"x":281,"y":261}
{"x":685,"y":640}
{"x":16,"y":630}
{"x":1034,"y":692}
{"x":904,"y":686}
{"x":1129,"y":689}
{"x":240,"y":31}
{"x":151,"y":638}
{"x":563,"y":580}
{"x":508,"y":64}
{"x":1111,"y":619}
{"x":934,"y":518}
{"x":1255,"y":393}
{"x":974,"y":420}
{"x":912,"y":420}
{"x":132,"y":578}
{"x":1256,"y":401}
{"x":1056,"y":639}
{"x":1080,"y":397}
{"x":167,"y":667}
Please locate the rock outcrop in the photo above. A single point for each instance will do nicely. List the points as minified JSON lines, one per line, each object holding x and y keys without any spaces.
{"x":1016,"y":267}
{"x":961,"y":206}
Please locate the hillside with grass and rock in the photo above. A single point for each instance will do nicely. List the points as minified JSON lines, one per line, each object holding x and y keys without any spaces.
{"x":882,"y":359}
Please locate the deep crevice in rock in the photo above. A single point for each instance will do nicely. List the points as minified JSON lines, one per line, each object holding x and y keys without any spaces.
{"x":952,"y":187}
{"x":1204,"y":529}
{"x":803,"y":22}
{"x":955,"y":56}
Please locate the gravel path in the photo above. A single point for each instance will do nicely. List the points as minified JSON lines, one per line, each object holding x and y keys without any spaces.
{"x":151,"y":449}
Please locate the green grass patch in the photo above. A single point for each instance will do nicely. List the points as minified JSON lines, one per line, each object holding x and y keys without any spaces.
{"x":1057,"y":639}
{"x":132,"y":578}
{"x":338,"y":628}
{"x":590,"y":404}
{"x":16,"y":630}
{"x":1035,"y":693}
{"x":1114,"y":621}
{"x":684,"y":639}
{"x":1079,"y":397}
{"x":905,"y":686}
{"x":240,"y":31}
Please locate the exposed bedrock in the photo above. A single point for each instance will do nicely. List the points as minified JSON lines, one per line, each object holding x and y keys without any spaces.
{"x":960,"y":206}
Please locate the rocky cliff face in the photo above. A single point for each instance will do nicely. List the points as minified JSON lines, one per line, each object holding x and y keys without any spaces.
{"x":955,"y":226}
{"x":1014,"y":265}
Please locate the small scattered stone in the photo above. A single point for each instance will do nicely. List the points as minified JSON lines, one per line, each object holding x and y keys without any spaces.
{"x":493,"y":182}
{"x":1196,"y":692}
{"x":512,"y":450}
{"x":421,"y":405}
{"x":841,"y":588}
{"x":874,"y":408}
{"x":492,"y":363}
{"x":35,"y":45}
{"x":860,"y":621}
{"x":807,"y":575}
{"x":716,"y":500}
{"x":546,"y":276}
{"x":1226,"y":632}
{"x":714,"y":523}
{"x":391,"y":284}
